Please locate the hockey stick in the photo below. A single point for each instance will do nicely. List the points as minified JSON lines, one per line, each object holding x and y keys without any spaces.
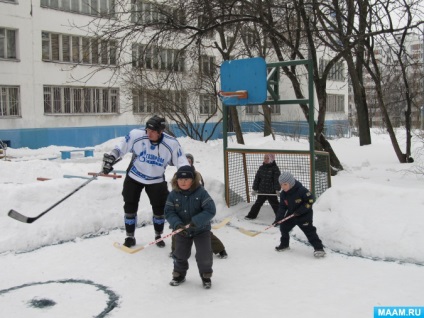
{"x":25,"y":219}
{"x":271,"y":194}
{"x":221,"y":224}
{"x":250,"y":233}
{"x":140,"y":248}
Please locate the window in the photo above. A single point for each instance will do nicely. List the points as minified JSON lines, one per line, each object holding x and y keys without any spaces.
{"x":145,"y":12}
{"x":207,"y":104}
{"x":207,"y":65}
{"x":104,"y":52}
{"x":76,"y":100}
{"x":75,"y":5}
{"x":336,"y":73}
{"x":252,"y":110}
{"x":180,"y":99}
{"x":55,"y":53}
{"x":113,"y":49}
{"x":275,"y":109}
{"x":157,"y":58}
{"x":202,"y":23}
{"x":77,"y":49}
{"x":148,"y":101}
{"x":249,"y":37}
{"x":141,"y":103}
{"x":335,"y":103}
{"x":86,"y":51}
{"x":9,"y":101}
{"x":66,"y":48}
{"x":91,"y":7}
{"x":8,"y":43}
{"x":255,"y":109}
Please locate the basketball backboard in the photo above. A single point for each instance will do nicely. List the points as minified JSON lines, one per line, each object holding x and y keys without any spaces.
{"x":244,"y":75}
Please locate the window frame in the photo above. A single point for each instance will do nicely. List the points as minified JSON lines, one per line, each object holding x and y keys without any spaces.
{"x":335,"y":103}
{"x":99,"y":8}
{"x":6,"y":101}
{"x":157,"y":58}
{"x":337,"y":72}
{"x":82,"y":50}
{"x":7,"y":47}
{"x":207,"y":64}
{"x":75,"y":100}
{"x":207,"y":104}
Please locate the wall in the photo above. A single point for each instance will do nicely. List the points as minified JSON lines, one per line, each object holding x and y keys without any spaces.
{"x":91,"y":136}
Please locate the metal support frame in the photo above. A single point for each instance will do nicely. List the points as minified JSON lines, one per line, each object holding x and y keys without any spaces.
{"x":273,"y":80}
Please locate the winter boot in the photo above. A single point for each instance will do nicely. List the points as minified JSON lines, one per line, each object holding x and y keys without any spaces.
{"x":281,"y":248}
{"x":207,"y":283}
{"x":129,"y":241}
{"x":319,"y":253}
{"x":177,"y":279}
{"x":206,"y":280}
{"x":223,"y":254}
{"x":160,"y":243}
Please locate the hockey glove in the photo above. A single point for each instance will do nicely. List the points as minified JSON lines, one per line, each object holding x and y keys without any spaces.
{"x":108,"y":161}
{"x":254,"y":193}
{"x":184,"y":231}
{"x":276,"y":224}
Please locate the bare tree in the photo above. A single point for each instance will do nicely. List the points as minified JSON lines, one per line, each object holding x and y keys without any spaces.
{"x":288,"y":30}
{"x":350,"y":28}
{"x":398,"y":67}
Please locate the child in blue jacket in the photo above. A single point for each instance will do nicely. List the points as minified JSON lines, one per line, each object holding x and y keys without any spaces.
{"x":296,"y":200}
{"x":190,"y":204}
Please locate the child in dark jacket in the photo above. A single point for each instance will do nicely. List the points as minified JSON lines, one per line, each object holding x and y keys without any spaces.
{"x":265,"y":186}
{"x":218,"y":247}
{"x":296,"y":200}
{"x":190,"y":204}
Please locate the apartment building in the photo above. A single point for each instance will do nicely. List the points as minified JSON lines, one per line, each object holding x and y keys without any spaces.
{"x":58,"y":83}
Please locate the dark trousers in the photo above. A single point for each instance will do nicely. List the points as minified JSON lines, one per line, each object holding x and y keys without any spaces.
{"x":273,"y":201}
{"x":182,"y":252}
{"x":217,"y":245}
{"x":304,"y":222}
{"x":157,"y":193}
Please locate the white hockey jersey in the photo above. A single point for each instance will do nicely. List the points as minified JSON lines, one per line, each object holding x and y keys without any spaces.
{"x":151,"y":159}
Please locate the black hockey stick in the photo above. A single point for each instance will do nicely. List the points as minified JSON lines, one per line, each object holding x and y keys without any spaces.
{"x":25,"y":219}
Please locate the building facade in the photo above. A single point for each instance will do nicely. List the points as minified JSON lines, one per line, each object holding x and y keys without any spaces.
{"x":58,"y":83}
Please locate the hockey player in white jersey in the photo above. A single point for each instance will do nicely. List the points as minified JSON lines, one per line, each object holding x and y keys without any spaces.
{"x":153,"y":150}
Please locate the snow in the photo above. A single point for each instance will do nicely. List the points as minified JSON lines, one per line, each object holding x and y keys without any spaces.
{"x":370,"y":222}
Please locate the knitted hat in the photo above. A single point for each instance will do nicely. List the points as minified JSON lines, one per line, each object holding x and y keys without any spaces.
{"x":271,"y":157}
{"x":286,"y":177}
{"x":185,"y":172}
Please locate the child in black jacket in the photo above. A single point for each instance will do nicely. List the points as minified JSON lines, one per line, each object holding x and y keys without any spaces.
{"x":265,"y":186}
{"x":296,"y":200}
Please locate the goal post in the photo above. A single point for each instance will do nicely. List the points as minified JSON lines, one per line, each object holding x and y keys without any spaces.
{"x":260,"y":81}
{"x":242,"y":165}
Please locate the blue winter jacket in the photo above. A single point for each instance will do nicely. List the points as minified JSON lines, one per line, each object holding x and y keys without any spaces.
{"x":298,"y":199}
{"x":190,"y":206}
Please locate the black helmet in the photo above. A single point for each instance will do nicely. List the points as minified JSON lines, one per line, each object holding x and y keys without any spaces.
{"x":156,"y":123}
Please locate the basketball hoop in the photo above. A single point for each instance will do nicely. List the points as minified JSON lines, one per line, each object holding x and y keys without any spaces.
{"x":226,"y":97}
